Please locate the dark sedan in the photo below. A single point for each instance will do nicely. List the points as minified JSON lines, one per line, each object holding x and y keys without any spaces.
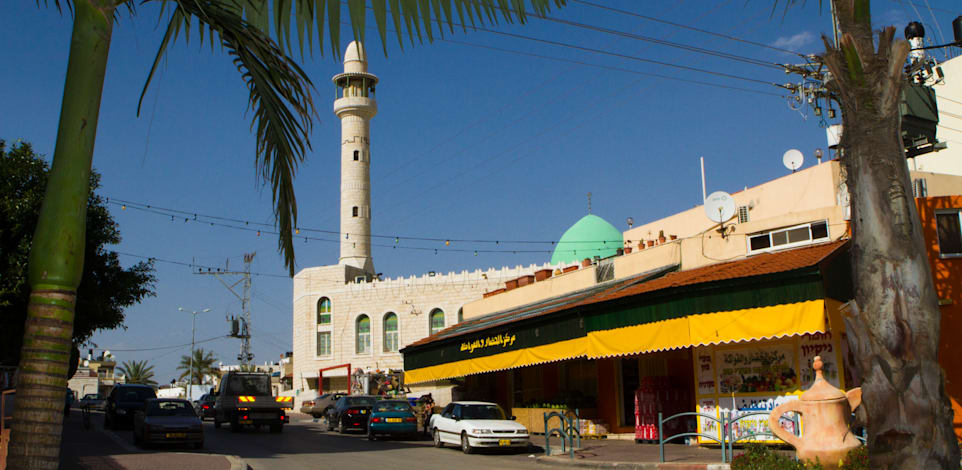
{"x":350,"y":412}
{"x":168,"y":421}
{"x":123,"y":401}
{"x":204,"y":407}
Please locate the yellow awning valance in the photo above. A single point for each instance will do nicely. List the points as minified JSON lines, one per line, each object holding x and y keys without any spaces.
{"x":711,"y":328}
{"x":561,"y":350}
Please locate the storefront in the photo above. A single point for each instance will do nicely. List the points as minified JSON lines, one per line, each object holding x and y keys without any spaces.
{"x":737,"y":334}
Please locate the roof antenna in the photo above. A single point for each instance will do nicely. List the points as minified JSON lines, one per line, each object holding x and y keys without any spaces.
{"x":589,"y":202}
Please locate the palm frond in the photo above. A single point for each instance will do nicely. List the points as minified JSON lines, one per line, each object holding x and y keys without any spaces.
{"x":279,"y":95}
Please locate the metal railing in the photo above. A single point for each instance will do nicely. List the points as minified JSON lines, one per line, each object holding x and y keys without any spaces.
{"x":722,"y":426}
{"x":730,"y":429}
{"x":569,"y":430}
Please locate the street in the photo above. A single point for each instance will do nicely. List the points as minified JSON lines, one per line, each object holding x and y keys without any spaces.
{"x":304,"y":444}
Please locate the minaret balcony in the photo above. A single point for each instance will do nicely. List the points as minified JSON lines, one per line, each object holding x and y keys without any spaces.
{"x":356,"y":105}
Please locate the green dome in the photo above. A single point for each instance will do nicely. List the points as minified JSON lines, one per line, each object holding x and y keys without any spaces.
{"x":589,"y":237}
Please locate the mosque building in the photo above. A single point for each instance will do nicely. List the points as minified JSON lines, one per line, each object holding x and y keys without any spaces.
{"x":345,"y":317}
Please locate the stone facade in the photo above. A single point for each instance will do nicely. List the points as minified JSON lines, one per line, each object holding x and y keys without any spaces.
{"x":412,"y":299}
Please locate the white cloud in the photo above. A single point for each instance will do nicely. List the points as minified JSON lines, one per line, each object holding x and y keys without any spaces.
{"x":796,"y":42}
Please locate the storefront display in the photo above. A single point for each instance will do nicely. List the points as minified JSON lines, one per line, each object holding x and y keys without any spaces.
{"x":758,"y":376}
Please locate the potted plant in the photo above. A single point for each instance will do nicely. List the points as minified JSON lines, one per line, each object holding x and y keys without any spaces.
{"x":661,"y":237}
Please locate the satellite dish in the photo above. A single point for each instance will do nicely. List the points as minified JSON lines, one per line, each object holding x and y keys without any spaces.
{"x":719,"y":206}
{"x":793,"y":159}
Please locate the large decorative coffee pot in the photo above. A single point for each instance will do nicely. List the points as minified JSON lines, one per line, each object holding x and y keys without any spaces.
{"x":826,"y":411}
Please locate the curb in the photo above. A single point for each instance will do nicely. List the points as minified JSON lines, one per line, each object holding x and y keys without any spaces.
{"x":567,"y":462}
{"x":236,"y":463}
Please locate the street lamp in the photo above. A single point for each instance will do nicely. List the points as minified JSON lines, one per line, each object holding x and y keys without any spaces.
{"x":190,"y":371}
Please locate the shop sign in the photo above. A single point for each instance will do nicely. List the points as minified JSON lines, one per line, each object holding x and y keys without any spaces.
{"x":760,"y":368}
{"x":502,"y":340}
{"x":818,"y":344}
{"x":705,"y":371}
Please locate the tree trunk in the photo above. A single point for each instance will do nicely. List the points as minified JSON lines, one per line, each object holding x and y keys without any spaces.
{"x":894,"y":330}
{"x":57,"y":255}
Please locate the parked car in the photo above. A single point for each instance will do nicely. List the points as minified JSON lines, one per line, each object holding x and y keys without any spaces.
{"x":204,"y":406}
{"x":318,"y":406}
{"x":473,"y":424}
{"x":93,"y":401}
{"x":123,"y":401}
{"x":350,"y":412}
{"x":168,"y":421}
{"x":392,"y":417}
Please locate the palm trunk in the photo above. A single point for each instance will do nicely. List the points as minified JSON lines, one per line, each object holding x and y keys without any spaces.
{"x":894,"y":331}
{"x":56,"y":257}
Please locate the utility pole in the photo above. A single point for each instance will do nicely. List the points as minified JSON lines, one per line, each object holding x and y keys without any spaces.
{"x":190,"y":370}
{"x":244,"y":333}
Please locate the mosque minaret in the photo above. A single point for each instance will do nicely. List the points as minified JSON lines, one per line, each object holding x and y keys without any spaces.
{"x":355,"y":106}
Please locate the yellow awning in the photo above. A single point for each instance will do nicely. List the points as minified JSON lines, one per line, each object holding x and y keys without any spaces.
{"x":711,"y":328}
{"x":568,"y":349}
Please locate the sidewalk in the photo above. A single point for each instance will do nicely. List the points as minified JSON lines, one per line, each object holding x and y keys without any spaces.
{"x":622,"y":454}
{"x":97,"y":449}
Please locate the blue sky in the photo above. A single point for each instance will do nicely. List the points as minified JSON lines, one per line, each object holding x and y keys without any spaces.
{"x":481,"y":136}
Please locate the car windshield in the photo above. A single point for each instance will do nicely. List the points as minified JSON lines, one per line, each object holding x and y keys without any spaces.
{"x":361,"y":401}
{"x":250,"y":385}
{"x":482,"y":412}
{"x":136,"y":394}
{"x":392,"y":406}
{"x":169,"y":408}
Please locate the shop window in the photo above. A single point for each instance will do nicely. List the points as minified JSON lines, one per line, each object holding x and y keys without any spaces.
{"x":390,"y":332}
{"x":362,"y":338}
{"x":437,"y":321}
{"x":949,"y":231}
{"x":323,"y":343}
{"x":788,"y":237}
{"x":324,"y":311}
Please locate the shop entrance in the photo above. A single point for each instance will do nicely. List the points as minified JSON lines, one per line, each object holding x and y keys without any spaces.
{"x":662,"y":381}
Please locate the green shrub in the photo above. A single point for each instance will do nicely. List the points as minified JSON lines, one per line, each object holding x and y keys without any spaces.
{"x":857,"y":459}
{"x":761,"y":457}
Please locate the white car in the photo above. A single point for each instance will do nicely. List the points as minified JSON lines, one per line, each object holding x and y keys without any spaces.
{"x":473,"y":424}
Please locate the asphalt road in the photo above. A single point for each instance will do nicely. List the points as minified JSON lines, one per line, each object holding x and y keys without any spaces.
{"x":305,"y":444}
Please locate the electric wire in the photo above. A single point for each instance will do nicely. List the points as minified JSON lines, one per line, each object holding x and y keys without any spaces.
{"x":160,"y":348}
{"x":690,"y":28}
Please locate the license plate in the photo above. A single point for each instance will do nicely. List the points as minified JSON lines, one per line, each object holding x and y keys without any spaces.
{"x":394,"y":420}
{"x":363,"y":412}
{"x":175,"y":435}
{"x":263,"y":416}
{"x":504,"y":442}
{"x":246,"y":421}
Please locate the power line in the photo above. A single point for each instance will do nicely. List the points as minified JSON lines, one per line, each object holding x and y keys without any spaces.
{"x":690,"y":28}
{"x":159,"y":348}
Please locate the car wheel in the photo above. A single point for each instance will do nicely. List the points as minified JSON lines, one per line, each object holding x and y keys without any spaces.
{"x":465,"y":444}
{"x":216,"y":423}
{"x":277,"y":427}
{"x":437,"y":439}
{"x":235,"y":426}
{"x":107,"y":422}
{"x":370,"y":434}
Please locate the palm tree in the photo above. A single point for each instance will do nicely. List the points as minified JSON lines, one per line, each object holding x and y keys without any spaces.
{"x":137,"y":372}
{"x":202,"y":367}
{"x":893,"y":331}
{"x":280,"y":97}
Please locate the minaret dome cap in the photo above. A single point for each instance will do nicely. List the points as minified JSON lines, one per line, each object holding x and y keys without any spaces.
{"x":355,"y":58}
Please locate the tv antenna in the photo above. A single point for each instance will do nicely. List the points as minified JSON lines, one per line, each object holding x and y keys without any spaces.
{"x":720,"y":207}
{"x":792,"y":159}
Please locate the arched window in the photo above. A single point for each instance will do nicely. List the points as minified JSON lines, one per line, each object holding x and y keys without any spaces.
{"x":324,"y":311}
{"x":362,"y":337}
{"x":390,"y":332}
{"x":354,"y":211}
{"x":437,"y":321}
{"x":357,"y":155}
